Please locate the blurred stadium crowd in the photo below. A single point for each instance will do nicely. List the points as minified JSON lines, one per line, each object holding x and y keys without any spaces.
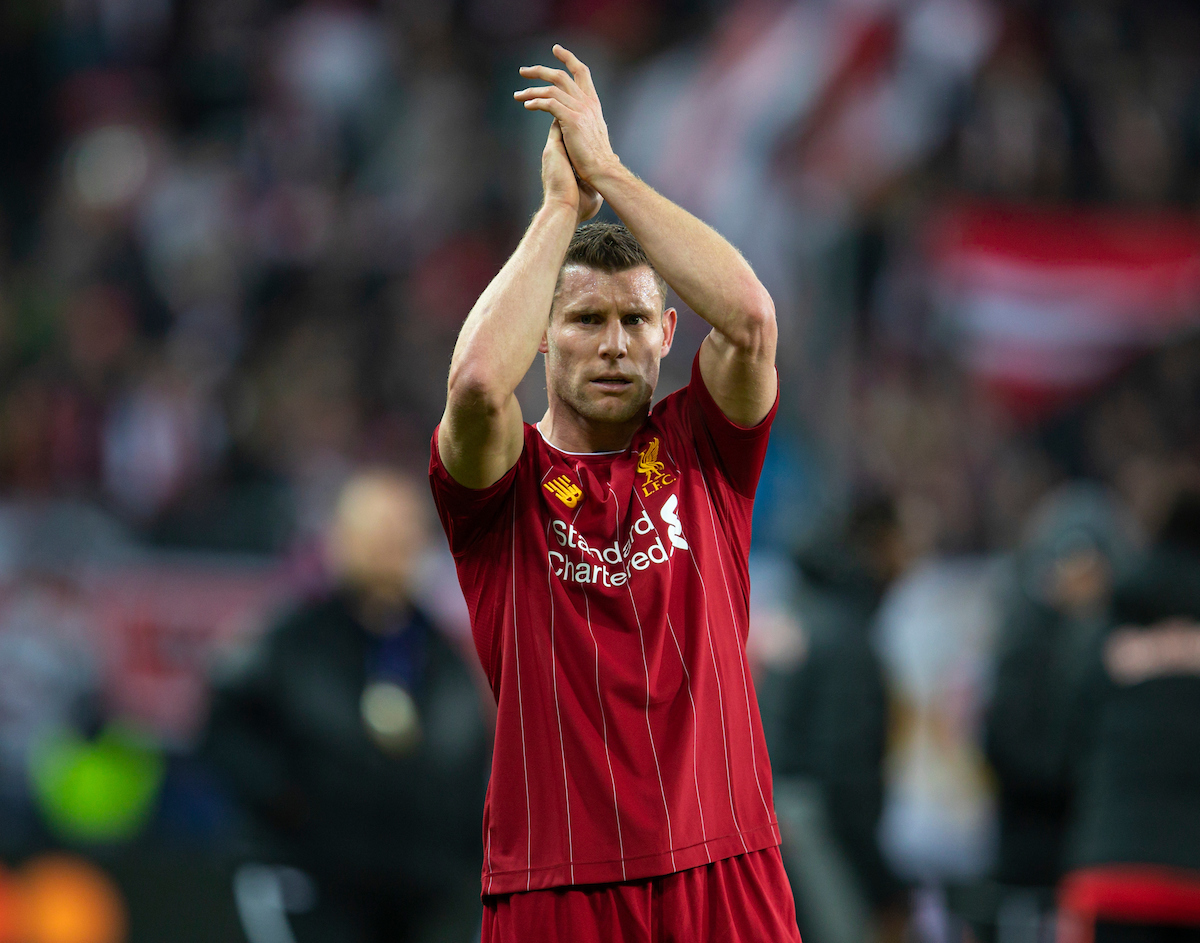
{"x":237,"y":240}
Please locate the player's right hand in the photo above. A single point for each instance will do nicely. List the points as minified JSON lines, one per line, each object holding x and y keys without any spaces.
{"x":560,"y":183}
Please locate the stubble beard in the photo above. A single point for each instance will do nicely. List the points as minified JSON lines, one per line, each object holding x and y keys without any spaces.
{"x":607,"y":410}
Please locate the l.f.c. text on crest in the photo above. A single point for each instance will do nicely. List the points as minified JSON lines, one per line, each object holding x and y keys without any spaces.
{"x":655,"y":471}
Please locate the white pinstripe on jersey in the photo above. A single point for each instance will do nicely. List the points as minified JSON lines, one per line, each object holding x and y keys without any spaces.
{"x":717,"y":677}
{"x":520,"y":705}
{"x":687,"y":675}
{"x":741,"y":648}
{"x":649,"y":732}
{"x":557,"y":711}
{"x":587,"y":608}
{"x":487,"y":859}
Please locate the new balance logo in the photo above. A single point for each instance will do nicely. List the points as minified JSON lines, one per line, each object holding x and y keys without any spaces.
{"x":565,"y":490}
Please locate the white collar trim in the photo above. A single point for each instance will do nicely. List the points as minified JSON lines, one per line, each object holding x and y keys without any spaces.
{"x":538,"y":427}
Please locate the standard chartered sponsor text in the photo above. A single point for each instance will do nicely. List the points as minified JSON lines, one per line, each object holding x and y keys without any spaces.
{"x":579,"y":562}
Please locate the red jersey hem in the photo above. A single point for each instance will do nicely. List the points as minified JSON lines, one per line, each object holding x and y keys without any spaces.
{"x":630,"y":869}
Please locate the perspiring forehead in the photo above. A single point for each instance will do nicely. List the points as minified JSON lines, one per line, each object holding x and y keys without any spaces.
{"x":581,"y":288}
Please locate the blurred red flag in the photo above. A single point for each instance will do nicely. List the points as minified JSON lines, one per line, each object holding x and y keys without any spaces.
{"x":1044,"y":305}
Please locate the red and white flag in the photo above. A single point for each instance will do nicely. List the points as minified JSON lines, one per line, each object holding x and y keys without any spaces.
{"x":1045,"y":305}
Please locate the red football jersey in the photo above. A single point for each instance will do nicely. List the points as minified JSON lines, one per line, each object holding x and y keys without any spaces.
{"x":609,"y":599}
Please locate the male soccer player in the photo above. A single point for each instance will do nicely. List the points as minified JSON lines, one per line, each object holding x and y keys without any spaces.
{"x":602,"y":553}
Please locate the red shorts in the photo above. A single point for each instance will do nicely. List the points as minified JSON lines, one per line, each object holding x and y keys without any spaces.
{"x":746,"y":899}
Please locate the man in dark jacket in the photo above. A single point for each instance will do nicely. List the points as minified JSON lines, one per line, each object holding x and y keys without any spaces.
{"x":1139,"y":742}
{"x":355,"y":739}
{"x":1053,"y":616}
{"x":826,"y":722}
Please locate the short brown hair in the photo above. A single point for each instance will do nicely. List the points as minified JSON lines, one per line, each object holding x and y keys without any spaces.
{"x":610,"y":248}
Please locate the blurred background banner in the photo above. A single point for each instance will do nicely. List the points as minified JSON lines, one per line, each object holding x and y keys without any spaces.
{"x":163,"y":627}
{"x":237,"y":241}
{"x":1047,"y":304}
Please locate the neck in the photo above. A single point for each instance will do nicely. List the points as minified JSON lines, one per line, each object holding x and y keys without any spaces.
{"x":378,"y":614}
{"x":566,"y":429}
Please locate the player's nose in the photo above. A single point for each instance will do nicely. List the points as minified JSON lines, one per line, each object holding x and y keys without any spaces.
{"x":614,"y":340}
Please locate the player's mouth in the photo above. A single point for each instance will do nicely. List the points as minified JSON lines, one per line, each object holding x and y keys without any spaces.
{"x":612,"y":383}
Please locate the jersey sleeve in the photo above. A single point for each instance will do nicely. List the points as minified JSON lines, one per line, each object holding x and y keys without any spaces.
{"x":739,"y":450}
{"x":466,"y":513}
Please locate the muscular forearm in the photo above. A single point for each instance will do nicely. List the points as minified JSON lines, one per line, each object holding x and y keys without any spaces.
{"x":500,"y":337}
{"x":709,"y":274}
{"x":480,"y":435}
{"x":737,"y":360}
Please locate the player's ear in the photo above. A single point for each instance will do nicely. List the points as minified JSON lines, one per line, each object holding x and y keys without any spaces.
{"x":669,"y":318}
{"x":543,"y":347}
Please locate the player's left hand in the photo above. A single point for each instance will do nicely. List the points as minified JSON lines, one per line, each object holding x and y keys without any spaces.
{"x":571,"y":98}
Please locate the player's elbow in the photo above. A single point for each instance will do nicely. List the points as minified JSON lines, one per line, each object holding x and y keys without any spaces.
{"x":757,"y":332}
{"x":472,"y":388}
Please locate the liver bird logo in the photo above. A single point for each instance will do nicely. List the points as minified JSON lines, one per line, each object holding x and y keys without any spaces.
{"x":648,"y":463}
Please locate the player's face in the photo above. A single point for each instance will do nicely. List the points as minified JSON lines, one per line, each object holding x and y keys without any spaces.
{"x":607,"y":334}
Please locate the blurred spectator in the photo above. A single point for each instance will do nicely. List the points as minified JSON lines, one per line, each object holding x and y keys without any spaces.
{"x":827,"y":719}
{"x":934,"y":630}
{"x":1138,"y":744}
{"x":1015,"y":140}
{"x":1053,"y":615}
{"x":356,"y":740}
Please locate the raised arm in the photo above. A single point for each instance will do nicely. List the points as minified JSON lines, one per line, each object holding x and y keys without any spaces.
{"x":737,"y":359}
{"x":480,"y":437}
